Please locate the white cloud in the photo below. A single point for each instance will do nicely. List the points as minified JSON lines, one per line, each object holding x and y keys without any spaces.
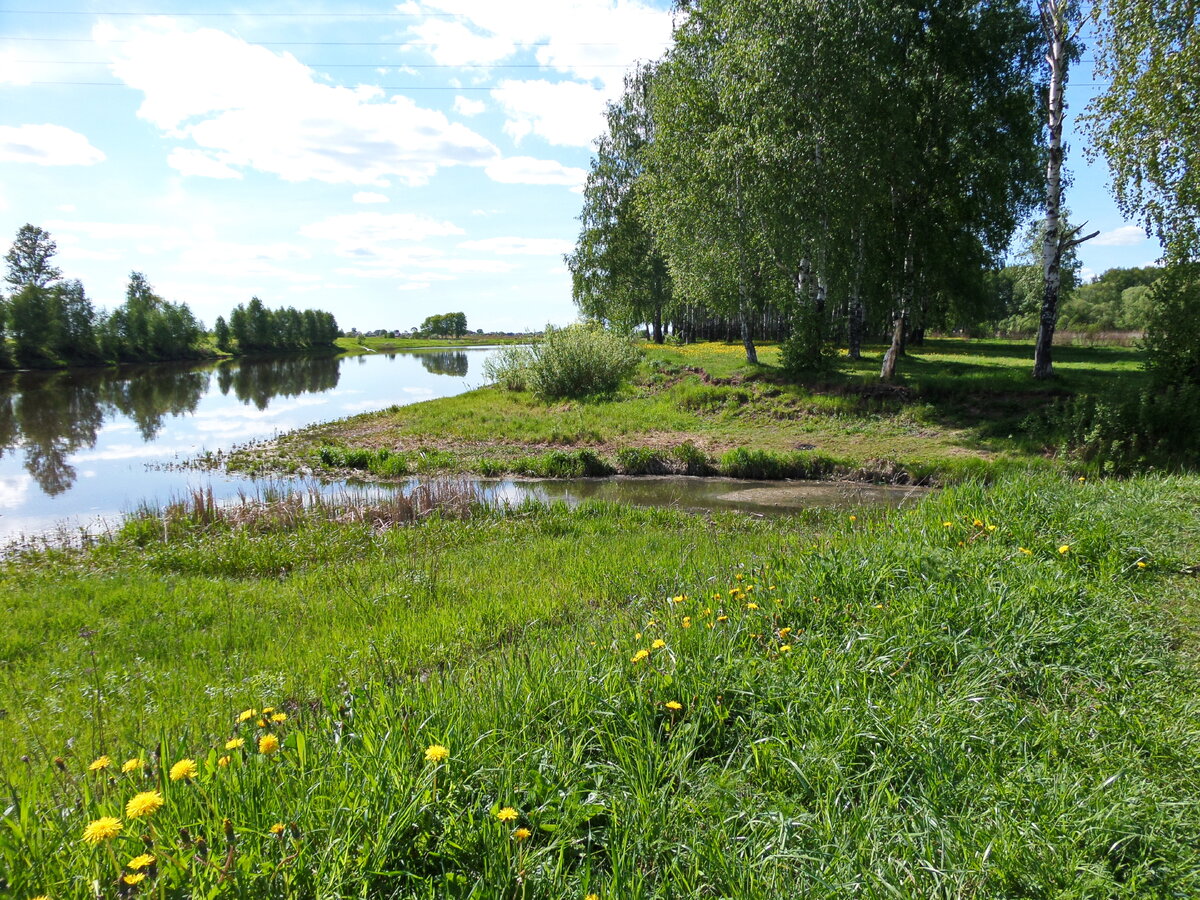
{"x":513,"y":246}
{"x":369,"y":197}
{"x":46,"y":145}
{"x":565,"y":113}
{"x":367,"y":235}
{"x":66,"y":208}
{"x":1125,"y":236}
{"x":465,"y":106}
{"x":528,"y":170}
{"x":246,"y":107}
{"x":202,"y":163}
{"x":10,"y":70}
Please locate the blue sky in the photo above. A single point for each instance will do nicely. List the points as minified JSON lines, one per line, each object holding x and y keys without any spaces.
{"x":382,"y":161}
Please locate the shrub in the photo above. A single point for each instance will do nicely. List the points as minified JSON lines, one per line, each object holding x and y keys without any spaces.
{"x":642,"y":461}
{"x":509,"y":368}
{"x":693,"y":459}
{"x":1173,"y":336}
{"x":768,"y":465}
{"x":580,"y":360}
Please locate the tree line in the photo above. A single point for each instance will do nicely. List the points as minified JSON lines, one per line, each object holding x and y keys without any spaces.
{"x":49,"y":319}
{"x":837,"y":173}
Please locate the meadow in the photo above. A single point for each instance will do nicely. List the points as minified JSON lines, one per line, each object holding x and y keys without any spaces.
{"x":962,"y":409}
{"x":992,"y":694}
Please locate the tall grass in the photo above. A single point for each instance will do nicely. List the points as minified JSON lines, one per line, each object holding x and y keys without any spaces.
{"x":972,"y":698}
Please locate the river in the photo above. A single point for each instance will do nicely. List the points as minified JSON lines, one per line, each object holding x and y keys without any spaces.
{"x":82,"y":447}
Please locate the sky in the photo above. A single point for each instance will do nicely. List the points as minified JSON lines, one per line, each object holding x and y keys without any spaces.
{"x":384,"y":162}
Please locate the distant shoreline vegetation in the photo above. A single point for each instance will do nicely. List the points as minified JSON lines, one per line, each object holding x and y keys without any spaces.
{"x":48,"y":322}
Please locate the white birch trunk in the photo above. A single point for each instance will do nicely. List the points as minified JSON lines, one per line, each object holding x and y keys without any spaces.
{"x":1054,"y":24}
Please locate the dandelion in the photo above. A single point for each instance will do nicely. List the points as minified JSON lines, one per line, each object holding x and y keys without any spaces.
{"x":786,"y":648}
{"x":1082,"y":479}
{"x":992,"y":527}
{"x":135,"y":878}
{"x":185,"y":769}
{"x":687,"y":622}
{"x":638,"y":636}
{"x":1140,"y":564}
{"x":267,"y":710}
{"x":261,"y":723}
{"x":738,"y":577}
{"x":639,"y":656}
{"x":103,"y":829}
{"x":223,"y":762}
{"x":507,"y":814}
{"x":435,"y":753}
{"x":978,"y":523}
{"x":521,"y":833}
{"x":879,"y":606}
{"x":131,"y":765}
{"x":1065,"y":548}
{"x":722,"y":618}
{"x":658,"y":644}
{"x":751,"y":606}
{"x":854,"y":518}
{"x":99,"y":764}
{"x":144,"y":804}
{"x":277,"y":829}
{"x":1026,"y":551}
{"x":268,"y":744}
{"x":144,"y":861}
{"x":679,"y":598}
{"x":279,"y":718}
{"x":235,"y":744}
{"x":947,"y":524}
{"x":592,"y":897}
{"x":247,"y":714}
{"x":784,"y":632}
{"x":673,"y":705}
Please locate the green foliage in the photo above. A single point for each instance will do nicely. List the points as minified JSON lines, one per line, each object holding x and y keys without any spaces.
{"x":576,"y":361}
{"x":255,"y":329}
{"x":808,"y":349}
{"x":642,"y":461}
{"x":746,"y":462}
{"x":509,"y":367}
{"x":444,"y":325}
{"x":1173,"y":332}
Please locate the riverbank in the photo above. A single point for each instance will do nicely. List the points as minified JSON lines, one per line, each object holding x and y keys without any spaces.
{"x":357,"y":345}
{"x":668,"y":705}
{"x":962,"y":409}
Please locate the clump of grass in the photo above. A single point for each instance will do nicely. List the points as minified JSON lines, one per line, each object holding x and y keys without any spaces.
{"x":576,"y":361}
{"x":745,"y":462}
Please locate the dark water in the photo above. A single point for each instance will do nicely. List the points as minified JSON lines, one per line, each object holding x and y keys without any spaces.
{"x":86,"y":445}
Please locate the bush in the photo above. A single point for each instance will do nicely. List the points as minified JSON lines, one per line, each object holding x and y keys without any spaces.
{"x":576,"y":361}
{"x":1173,"y":335}
{"x":771,"y":466}
{"x":641,"y":461}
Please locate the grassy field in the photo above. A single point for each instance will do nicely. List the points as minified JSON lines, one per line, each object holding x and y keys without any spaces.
{"x":985,"y":696}
{"x":961,"y":410}
{"x":355,"y":346}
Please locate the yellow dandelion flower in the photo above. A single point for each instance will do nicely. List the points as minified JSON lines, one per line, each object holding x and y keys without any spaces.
{"x":99,"y":764}
{"x":738,"y":577}
{"x":247,"y":714}
{"x":947,"y":524}
{"x":267,"y":710}
{"x":637,"y":636}
{"x":592,"y":897}
{"x":144,"y":804}
{"x":992,"y":527}
{"x":261,"y":723}
{"x":1082,"y":479}
{"x":678,"y":598}
{"x":658,"y":644}
{"x":722,"y":618}
{"x":751,"y":606}
{"x":279,"y":718}
{"x":978,"y":523}
{"x":103,"y":829}
{"x":223,"y":762}
{"x":786,"y":648}
{"x":879,"y":606}
{"x":507,"y":814}
{"x":651,"y":623}
{"x":235,"y":744}
{"x":854,"y":518}
{"x":277,"y":829}
{"x":521,"y":833}
{"x":687,"y":622}
{"x":1141,"y":565}
{"x":144,"y":861}
{"x":1026,"y":551}
{"x":435,"y":753}
{"x":41,"y":897}
{"x":184,"y":769}
{"x":132,"y":765}
{"x":135,"y":878}
{"x":784,"y":632}
{"x":1065,"y":548}
{"x":268,"y":744}
{"x":708,"y":610}
{"x":639,"y":656}
{"x":673,"y":705}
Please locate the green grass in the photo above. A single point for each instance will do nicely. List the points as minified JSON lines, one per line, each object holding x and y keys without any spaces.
{"x":963,"y":409}
{"x":953,"y":716}
{"x":358,"y":345}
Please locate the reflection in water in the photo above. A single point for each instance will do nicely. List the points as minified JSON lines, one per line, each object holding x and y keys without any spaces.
{"x":51,"y":415}
{"x":260,"y":381}
{"x":450,"y":362}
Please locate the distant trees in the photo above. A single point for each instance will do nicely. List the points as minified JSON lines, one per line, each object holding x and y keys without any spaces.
{"x":445,"y":325}
{"x":253,"y":328}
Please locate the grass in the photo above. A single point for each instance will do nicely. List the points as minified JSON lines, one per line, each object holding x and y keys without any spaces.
{"x":898,"y":704}
{"x":962,"y":410}
{"x":355,"y":346}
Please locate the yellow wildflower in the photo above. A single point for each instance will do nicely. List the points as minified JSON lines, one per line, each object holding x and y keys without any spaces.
{"x":99,"y":764}
{"x":722,"y":618}
{"x":131,"y":765}
{"x":687,"y":622}
{"x":751,"y":606}
{"x":947,"y":524}
{"x":786,"y":648}
{"x":658,"y":644}
{"x":268,"y":744}
{"x":279,"y":718}
{"x":267,"y":710}
{"x":678,"y":599}
{"x":639,"y":656}
{"x":1140,"y":564}
{"x":144,"y":861}
{"x":784,"y":632}
{"x":184,"y":769}
{"x":992,"y":527}
{"x":673,"y":705}
{"x":1026,"y":551}
{"x":103,"y":829}
{"x":507,"y":814}
{"x":854,"y":518}
{"x":144,"y":804}
{"x":135,"y":878}
{"x":235,"y":744}
{"x":246,"y":714}
{"x":277,"y":829}
{"x":978,"y":523}
{"x":738,"y":577}
{"x":637,"y":636}
{"x":1064,"y":548}
{"x":521,"y":833}
{"x":1082,"y":479}
{"x":592,"y":897}
{"x":223,"y":762}
{"x":435,"y":753}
